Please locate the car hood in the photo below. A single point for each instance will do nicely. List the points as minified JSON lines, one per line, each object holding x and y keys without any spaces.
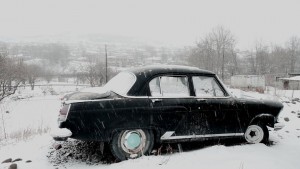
{"x":268,"y":102}
{"x":257,"y":100}
{"x":261,"y":105}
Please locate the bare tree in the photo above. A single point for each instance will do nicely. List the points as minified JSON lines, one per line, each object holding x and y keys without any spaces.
{"x":216,"y":52}
{"x":95,"y":71}
{"x":279,"y":62}
{"x":233,"y":65}
{"x":204,"y":54}
{"x":48,"y":75}
{"x":11,"y":75}
{"x":251,"y":59}
{"x":261,"y":56}
{"x":209,"y":53}
{"x":223,"y":40}
{"x":293,"y":49}
{"x":32,"y":73}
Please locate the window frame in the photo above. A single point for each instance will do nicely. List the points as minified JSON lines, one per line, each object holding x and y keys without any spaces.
{"x":218,"y":82}
{"x":170,"y":75}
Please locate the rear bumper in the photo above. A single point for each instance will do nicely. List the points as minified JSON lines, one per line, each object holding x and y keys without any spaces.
{"x":60,"y":138}
{"x":278,"y":126}
{"x":61,"y":134}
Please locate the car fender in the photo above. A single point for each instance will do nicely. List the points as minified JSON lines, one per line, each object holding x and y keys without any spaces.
{"x":267,"y":119}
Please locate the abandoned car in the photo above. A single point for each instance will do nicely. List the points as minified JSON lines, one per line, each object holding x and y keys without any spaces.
{"x":154,"y":104}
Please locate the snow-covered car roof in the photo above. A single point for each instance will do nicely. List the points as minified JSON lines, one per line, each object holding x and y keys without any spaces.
{"x":161,"y":69}
{"x":143,"y":74}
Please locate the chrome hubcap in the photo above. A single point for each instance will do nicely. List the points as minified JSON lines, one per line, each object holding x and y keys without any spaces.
{"x":254,"y":134}
{"x":133,"y":141}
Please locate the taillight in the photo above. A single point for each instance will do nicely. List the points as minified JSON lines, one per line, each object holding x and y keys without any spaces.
{"x":65,"y":109}
{"x":63,"y":112}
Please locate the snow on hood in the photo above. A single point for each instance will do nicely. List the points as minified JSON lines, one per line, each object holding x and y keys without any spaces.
{"x":251,"y":95}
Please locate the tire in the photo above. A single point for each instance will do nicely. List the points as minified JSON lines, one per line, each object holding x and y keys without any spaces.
{"x":256,"y":133}
{"x":129,"y":144}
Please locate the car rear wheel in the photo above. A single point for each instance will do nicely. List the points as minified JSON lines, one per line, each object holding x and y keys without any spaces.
{"x":256,"y":133}
{"x":128,"y":144}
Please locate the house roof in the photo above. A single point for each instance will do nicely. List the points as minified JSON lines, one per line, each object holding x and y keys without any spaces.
{"x":294,"y":78}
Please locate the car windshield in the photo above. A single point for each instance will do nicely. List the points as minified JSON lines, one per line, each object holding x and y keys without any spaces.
{"x":121,"y":83}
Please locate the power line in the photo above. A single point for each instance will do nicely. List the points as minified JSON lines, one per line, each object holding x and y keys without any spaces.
{"x":105,"y":63}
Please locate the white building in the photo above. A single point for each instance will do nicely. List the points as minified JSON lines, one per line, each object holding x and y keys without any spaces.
{"x":249,"y":82}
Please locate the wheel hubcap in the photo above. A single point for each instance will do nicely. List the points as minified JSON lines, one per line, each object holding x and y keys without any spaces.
{"x":254,"y":134}
{"x":133,"y":141}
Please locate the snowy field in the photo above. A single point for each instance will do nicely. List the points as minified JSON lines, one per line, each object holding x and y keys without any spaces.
{"x":29,"y":117}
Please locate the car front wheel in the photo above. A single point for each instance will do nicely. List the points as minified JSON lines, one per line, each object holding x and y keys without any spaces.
{"x":256,"y":133}
{"x":128,"y":144}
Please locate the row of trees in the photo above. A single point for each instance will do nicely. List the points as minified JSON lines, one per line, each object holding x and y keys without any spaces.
{"x":217,"y":52}
{"x":269,"y":59}
{"x":14,"y":72}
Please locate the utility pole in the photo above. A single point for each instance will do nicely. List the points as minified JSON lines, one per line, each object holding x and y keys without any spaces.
{"x":105,"y":63}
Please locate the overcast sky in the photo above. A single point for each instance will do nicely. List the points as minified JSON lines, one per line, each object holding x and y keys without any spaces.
{"x":176,"y":22}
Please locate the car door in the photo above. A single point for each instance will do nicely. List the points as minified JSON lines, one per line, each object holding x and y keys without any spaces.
{"x":170,"y":101}
{"x":213,"y":112}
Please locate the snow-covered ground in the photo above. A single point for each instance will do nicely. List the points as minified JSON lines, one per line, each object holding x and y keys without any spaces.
{"x":30,"y":112}
{"x":39,"y":111}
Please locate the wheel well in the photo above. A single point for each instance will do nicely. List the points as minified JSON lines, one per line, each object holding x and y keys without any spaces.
{"x":266,"y":119}
{"x":156,"y":133}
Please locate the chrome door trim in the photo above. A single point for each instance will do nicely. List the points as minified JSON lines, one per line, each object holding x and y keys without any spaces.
{"x":168,"y":136}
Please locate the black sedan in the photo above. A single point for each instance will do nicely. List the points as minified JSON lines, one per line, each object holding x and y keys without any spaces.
{"x":143,"y":106}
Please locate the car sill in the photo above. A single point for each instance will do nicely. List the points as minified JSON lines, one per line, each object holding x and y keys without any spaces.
{"x":168,"y":136}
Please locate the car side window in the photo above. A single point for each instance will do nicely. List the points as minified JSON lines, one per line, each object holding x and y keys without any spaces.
{"x":169,"y":86}
{"x":207,"y":87}
{"x":154,"y":86}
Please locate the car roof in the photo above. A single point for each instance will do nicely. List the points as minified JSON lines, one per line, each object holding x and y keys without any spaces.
{"x":143,"y":74}
{"x":168,"y":69}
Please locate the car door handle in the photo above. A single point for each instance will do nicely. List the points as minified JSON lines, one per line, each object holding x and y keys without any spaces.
{"x":201,"y":100}
{"x":156,"y":100}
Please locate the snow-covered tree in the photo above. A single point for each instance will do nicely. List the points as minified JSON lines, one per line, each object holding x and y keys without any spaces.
{"x":11,"y":74}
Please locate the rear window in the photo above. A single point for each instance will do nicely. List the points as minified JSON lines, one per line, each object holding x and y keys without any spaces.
{"x":121,"y":83}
